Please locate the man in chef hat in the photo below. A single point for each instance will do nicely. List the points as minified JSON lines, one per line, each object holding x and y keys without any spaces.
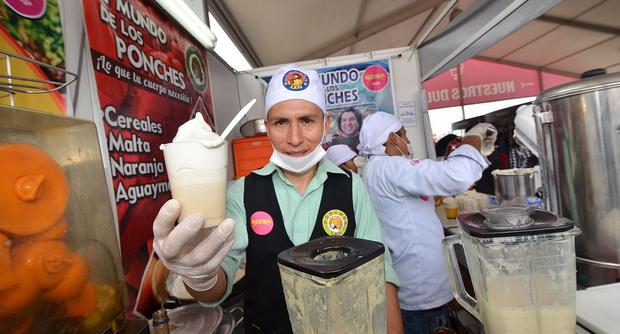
{"x":402,"y":190}
{"x":278,"y":206}
{"x":342,"y":156}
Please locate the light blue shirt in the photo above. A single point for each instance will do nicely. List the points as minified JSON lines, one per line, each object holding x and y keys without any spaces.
{"x":299,"y":213}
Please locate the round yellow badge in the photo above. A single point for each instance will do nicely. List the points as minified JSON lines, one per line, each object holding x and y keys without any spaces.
{"x":335,"y":222}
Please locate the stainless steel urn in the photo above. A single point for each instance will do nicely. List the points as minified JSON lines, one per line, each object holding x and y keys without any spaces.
{"x":578,"y":130}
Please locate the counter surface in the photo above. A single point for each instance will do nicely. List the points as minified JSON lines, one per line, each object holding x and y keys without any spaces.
{"x":597,"y":308}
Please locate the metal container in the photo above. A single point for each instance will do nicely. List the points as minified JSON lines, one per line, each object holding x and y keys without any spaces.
{"x":514,"y":185}
{"x":254,"y":127}
{"x":578,"y":130}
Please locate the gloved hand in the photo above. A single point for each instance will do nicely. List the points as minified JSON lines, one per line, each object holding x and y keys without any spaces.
{"x":487,"y":134}
{"x":189,"y":250}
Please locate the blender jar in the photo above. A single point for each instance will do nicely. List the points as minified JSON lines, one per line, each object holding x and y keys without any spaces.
{"x":335,"y":285}
{"x":522,"y":270}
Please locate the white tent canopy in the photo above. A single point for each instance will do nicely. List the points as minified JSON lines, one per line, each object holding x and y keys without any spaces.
{"x":570,"y":38}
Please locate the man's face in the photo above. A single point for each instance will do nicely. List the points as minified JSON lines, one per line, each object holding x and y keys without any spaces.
{"x":295,"y":127}
{"x":348,"y":123}
{"x":404,"y":140}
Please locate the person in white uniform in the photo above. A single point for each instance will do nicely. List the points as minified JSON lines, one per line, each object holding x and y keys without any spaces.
{"x":401,"y":190}
{"x":342,"y":156}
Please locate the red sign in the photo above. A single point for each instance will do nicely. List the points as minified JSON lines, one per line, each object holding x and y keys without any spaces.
{"x":483,"y":81}
{"x":375,"y":78}
{"x":151,"y":77}
{"x":551,"y":80}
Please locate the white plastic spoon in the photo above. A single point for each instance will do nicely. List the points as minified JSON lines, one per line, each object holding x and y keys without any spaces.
{"x":237,"y":118}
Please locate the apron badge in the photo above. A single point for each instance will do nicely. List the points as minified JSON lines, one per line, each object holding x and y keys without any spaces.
{"x":261,"y":222}
{"x":335,"y":222}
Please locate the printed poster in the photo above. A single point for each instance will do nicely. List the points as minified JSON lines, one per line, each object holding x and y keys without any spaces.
{"x":151,"y":76}
{"x":352,"y":92}
{"x":32,"y":29}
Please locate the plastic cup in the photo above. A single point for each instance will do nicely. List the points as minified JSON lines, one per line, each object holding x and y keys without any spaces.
{"x":451,"y":213}
{"x":450,"y":207}
{"x":198,"y":177}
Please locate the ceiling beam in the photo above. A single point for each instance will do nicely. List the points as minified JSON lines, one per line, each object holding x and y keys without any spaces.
{"x":538,"y":68}
{"x":372,"y":28}
{"x":360,"y":17}
{"x":578,"y":24}
{"x":417,"y":34}
{"x":579,"y":51}
{"x":226,"y":19}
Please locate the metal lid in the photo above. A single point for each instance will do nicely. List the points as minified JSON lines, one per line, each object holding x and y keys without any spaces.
{"x":513,"y":171}
{"x":507,"y":217}
{"x":580,"y":87}
{"x":514,"y":224}
{"x":330,"y":257}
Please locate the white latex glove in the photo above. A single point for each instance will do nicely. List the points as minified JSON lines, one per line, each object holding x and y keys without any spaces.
{"x":193,"y":252}
{"x":487,"y":134}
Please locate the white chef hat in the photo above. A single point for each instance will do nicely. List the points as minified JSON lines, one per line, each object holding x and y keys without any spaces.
{"x":375,"y":132}
{"x":339,"y":154}
{"x":292,"y":82}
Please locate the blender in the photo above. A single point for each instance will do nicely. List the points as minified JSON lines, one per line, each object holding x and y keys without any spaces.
{"x":522,"y":265}
{"x":335,"y":285}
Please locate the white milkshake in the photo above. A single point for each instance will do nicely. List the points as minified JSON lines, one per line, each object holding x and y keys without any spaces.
{"x":196,"y":165}
{"x":511,"y":310}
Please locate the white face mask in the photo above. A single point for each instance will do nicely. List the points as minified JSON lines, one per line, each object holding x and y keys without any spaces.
{"x":298,"y":165}
{"x":409,"y":148}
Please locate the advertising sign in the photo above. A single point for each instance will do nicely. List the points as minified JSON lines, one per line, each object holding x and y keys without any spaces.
{"x":151,"y":77}
{"x":353,"y":92}
{"x":484,"y":81}
{"x":32,"y":29}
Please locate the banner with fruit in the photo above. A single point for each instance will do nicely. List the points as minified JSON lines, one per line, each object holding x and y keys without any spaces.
{"x":32,"y":29}
{"x":151,"y":77}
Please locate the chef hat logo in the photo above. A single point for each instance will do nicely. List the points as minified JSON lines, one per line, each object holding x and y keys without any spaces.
{"x":295,"y":80}
{"x":291,"y":82}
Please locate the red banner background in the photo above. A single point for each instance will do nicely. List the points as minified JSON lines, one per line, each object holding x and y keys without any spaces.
{"x":151,"y":77}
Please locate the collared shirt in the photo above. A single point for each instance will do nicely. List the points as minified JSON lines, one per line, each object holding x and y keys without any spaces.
{"x":299,"y":213}
{"x":402,"y":193}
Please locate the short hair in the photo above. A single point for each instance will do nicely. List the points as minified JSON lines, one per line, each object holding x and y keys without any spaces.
{"x":357,"y":114}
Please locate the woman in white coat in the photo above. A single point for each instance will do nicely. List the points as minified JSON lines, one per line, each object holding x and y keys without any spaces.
{"x":402,"y":191}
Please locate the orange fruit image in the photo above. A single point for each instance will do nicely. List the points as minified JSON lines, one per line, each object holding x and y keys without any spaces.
{"x":46,"y":260}
{"x":33,"y":190}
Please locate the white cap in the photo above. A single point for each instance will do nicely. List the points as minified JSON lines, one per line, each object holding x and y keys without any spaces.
{"x":525,"y":128}
{"x":339,"y":154}
{"x":291,"y":82}
{"x":375,"y":132}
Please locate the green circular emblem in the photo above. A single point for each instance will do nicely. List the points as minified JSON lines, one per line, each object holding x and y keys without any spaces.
{"x":195,"y":67}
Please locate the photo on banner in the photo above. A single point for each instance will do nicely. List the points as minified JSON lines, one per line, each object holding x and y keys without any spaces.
{"x":33,"y":30}
{"x":352,"y":92}
{"x":152,"y":76}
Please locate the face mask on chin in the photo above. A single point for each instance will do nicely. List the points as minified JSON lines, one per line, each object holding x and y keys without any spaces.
{"x":298,"y":165}
{"x":409,"y":147}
